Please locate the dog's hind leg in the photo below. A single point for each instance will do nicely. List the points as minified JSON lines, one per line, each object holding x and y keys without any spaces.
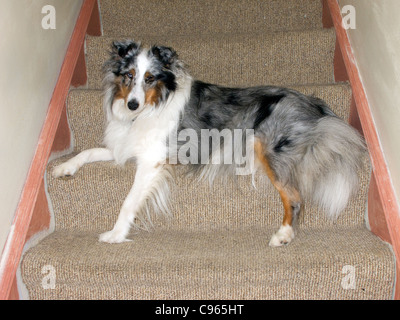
{"x":292,"y":206}
{"x":290,"y":197}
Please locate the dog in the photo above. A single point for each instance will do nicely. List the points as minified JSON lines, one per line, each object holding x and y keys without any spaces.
{"x":150,"y":99}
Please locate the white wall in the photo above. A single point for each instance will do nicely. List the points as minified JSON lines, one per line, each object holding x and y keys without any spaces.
{"x":376,"y":46}
{"x":30,"y":62}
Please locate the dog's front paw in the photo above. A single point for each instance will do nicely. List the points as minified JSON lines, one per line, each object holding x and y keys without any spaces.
{"x":113,"y":237}
{"x":65,"y":169}
{"x":282,"y":237}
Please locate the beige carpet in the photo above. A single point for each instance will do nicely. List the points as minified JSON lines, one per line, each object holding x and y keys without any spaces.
{"x":216,"y":244}
{"x":228,"y":264}
{"x":283,"y":58}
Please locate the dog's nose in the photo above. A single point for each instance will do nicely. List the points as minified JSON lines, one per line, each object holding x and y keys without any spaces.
{"x":133,"y":105}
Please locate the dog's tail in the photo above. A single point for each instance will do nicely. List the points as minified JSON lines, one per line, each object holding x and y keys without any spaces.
{"x":329,"y":170}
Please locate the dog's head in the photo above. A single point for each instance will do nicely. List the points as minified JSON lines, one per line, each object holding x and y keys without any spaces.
{"x":139,"y":78}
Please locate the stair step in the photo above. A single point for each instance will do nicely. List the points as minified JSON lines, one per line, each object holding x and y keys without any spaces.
{"x":193,"y":17}
{"x":212,"y":265}
{"x":98,"y":190}
{"x":87,"y":120}
{"x":239,"y":60}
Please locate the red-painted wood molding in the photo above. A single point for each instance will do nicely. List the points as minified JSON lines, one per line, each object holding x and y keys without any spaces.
{"x":73,"y":72}
{"x":383,"y":208}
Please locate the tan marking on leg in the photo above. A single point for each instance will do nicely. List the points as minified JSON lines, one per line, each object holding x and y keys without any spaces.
{"x":289,"y":195}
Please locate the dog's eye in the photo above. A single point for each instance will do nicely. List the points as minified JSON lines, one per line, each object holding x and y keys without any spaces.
{"x":127,"y":79}
{"x":149,"y":79}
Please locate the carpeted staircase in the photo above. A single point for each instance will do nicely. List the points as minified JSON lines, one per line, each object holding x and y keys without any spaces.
{"x":216,"y":244}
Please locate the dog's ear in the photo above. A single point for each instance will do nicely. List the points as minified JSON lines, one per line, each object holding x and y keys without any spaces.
{"x":119,"y":50}
{"x":167,"y":56}
{"x":123,"y":48}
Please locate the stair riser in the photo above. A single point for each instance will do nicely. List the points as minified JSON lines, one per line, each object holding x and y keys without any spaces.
{"x":153,"y":17}
{"x":239,"y":60}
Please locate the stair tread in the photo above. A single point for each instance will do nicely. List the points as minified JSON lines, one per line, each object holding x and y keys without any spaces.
{"x":98,"y":190}
{"x":153,"y":17}
{"x":212,"y":264}
{"x":239,"y":60}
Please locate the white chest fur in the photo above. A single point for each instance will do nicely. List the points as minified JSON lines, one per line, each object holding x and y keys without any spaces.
{"x":145,"y":137}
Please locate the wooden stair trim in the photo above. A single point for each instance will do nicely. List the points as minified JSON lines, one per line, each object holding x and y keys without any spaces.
{"x":31,"y":200}
{"x":381,"y":187}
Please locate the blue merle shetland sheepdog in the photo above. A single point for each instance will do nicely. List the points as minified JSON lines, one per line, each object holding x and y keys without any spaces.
{"x":308,"y":152}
